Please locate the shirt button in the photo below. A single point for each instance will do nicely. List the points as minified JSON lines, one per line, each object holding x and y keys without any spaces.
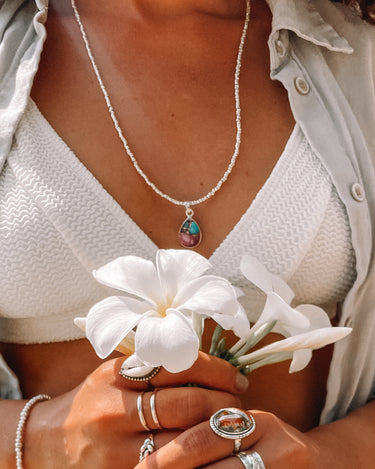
{"x":301,"y":85}
{"x":280,"y":48}
{"x":357,"y":192}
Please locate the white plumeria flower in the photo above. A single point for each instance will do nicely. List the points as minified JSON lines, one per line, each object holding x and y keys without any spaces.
{"x":307,"y":327}
{"x":126,"y":346}
{"x":163,"y":307}
{"x":304,"y":343}
{"x":262,"y":278}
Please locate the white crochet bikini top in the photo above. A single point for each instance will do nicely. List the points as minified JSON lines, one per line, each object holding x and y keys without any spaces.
{"x":57,"y":224}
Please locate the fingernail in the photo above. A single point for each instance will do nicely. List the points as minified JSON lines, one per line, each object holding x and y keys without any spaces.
{"x":242,"y":382}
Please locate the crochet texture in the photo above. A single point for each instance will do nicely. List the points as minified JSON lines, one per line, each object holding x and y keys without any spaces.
{"x":57,"y":224}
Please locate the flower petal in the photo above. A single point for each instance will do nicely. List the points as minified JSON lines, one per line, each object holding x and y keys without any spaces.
{"x":289,"y":321}
{"x":237,"y":323}
{"x":257,"y":274}
{"x":313,"y":340}
{"x":81,"y":323}
{"x":170,"y":342}
{"x":176,"y":267}
{"x":301,"y":358}
{"x":127,"y":345}
{"x":133,"y":275}
{"x":317,"y":316}
{"x":109,"y":321}
{"x":207,"y":295}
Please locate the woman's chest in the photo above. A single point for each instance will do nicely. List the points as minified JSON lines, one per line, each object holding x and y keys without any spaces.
{"x":178,"y":117}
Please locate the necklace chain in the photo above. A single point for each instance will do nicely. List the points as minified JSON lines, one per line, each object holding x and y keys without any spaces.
{"x":230,"y":167}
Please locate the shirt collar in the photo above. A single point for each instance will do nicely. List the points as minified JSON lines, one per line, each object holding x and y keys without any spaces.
{"x":303,"y":18}
{"x":41,"y":4}
{"x":299,"y":16}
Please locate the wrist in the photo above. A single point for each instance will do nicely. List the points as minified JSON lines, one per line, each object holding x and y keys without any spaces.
{"x":44,"y":441}
{"x":21,"y":427}
{"x":9,"y":417}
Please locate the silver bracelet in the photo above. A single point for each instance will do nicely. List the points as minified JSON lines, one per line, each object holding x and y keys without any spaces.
{"x":18,"y":445}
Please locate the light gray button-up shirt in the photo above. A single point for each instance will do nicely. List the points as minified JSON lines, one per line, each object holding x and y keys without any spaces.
{"x":325,"y":57}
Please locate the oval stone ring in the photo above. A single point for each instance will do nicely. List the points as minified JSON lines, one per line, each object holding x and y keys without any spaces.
{"x":233,"y":424}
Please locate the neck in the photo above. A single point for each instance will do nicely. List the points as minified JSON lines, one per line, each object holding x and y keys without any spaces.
{"x":231,"y":9}
{"x":221,"y":8}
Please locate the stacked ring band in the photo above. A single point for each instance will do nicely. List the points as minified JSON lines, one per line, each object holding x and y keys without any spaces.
{"x":246,"y":461}
{"x":259,"y":464}
{"x":252,"y":460}
{"x":153,"y":410}
{"x":232,"y":423}
{"x":140,"y":412}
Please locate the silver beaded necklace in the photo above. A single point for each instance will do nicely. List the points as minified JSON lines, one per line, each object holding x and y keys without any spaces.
{"x":190,"y":234}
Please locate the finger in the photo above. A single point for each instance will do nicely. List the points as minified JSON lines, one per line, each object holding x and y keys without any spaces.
{"x":160,"y":439}
{"x":129,"y":452}
{"x":199,"y":446}
{"x":207,"y":371}
{"x":175,"y":407}
{"x":228,"y":463}
{"x":186,"y":407}
{"x":235,"y":462}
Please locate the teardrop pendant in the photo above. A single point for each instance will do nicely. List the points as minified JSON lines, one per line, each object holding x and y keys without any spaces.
{"x":190,"y":235}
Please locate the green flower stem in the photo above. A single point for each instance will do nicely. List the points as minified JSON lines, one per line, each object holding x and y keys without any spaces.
{"x":215,"y":339}
{"x":234,"y":361}
{"x":238,"y":345}
{"x":271,"y":359}
{"x":221,"y":347}
{"x":254,"y":339}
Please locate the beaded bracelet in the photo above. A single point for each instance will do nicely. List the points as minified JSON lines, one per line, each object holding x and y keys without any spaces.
{"x":18,"y":445}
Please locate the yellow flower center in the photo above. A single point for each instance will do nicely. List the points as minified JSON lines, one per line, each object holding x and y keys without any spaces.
{"x":162,"y":308}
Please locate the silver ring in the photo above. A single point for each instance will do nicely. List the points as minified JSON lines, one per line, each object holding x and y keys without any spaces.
{"x":146,"y":377}
{"x":252,"y":460}
{"x":247,"y":462}
{"x":147,"y":447}
{"x":140,"y":412}
{"x":237,"y":445}
{"x":258,"y":461}
{"x":232,"y":423}
{"x":153,"y":410}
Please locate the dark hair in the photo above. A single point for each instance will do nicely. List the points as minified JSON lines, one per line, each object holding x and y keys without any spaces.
{"x":366,"y":8}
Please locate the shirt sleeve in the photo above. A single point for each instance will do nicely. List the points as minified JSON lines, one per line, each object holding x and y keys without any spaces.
{"x":22,"y":34}
{"x":9,"y":387}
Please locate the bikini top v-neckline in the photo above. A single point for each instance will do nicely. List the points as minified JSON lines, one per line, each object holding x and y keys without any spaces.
{"x":60,"y":224}
{"x":150,"y":246}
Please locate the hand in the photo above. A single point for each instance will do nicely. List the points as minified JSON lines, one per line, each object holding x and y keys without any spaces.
{"x":280,"y":446}
{"x":97,"y":424}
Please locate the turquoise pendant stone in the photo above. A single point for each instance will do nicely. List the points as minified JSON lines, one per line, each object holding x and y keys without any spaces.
{"x":190,"y":234}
